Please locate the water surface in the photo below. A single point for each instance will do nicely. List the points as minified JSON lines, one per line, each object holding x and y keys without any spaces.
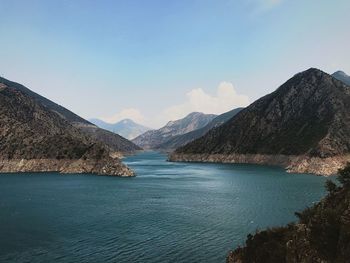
{"x":170,"y":212}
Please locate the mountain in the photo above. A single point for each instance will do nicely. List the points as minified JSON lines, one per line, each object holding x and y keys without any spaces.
{"x":321,"y":235}
{"x":180,"y":140}
{"x":303,"y":126}
{"x":34,"y":138}
{"x":126,"y":128}
{"x":342,"y":76}
{"x":153,"y":138}
{"x":114,"y":141}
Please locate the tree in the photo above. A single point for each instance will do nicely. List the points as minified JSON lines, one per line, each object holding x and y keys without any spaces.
{"x":330,"y":186}
{"x":344,"y":176}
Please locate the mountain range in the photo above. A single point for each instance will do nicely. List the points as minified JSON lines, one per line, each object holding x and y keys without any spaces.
{"x":38,"y":135}
{"x":182,"y":139}
{"x":154,"y":138}
{"x":303,"y":126}
{"x":126,"y":128}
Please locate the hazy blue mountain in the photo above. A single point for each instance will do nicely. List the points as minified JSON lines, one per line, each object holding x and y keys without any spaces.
{"x":180,"y":140}
{"x":126,"y":128}
{"x":153,"y":138}
{"x":342,"y":76}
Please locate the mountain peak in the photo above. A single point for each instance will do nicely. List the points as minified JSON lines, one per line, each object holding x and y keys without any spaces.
{"x":307,"y":116}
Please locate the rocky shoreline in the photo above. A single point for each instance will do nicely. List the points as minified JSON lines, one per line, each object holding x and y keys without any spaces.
{"x":292,"y":163}
{"x":110,"y":167}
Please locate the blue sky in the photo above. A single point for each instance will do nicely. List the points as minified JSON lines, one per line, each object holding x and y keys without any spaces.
{"x":159,"y":60}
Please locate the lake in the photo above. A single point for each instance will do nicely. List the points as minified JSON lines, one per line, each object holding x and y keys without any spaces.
{"x":170,"y":212}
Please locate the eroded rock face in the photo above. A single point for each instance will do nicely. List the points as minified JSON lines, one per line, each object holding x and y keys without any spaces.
{"x":33,"y":138}
{"x":307,"y":117}
{"x":292,"y":163}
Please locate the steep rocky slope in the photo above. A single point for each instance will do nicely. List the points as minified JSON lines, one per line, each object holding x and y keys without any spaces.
{"x":321,"y":235}
{"x":33,"y":138}
{"x":114,"y":141}
{"x":180,"y":140}
{"x":303,"y":126}
{"x":126,"y":128}
{"x":152,"y":139}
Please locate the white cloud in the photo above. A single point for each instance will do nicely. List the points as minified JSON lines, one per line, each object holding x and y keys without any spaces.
{"x":225,"y":99}
{"x":129,"y":113}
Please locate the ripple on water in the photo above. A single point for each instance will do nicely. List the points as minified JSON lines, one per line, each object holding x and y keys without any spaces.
{"x":170,"y":212}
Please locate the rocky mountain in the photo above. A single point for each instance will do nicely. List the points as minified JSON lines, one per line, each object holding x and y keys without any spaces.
{"x":321,"y":235}
{"x":303,"y":126}
{"x":180,"y":140}
{"x":114,"y":141}
{"x":126,"y":128}
{"x":34,"y":138}
{"x":153,"y":138}
{"x":342,"y":76}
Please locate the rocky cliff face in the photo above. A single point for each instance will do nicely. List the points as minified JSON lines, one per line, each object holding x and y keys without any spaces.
{"x":321,"y":235}
{"x":114,"y":141}
{"x":154,"y":138}
{"x":307,"y":117}
{"x":35,"y":138}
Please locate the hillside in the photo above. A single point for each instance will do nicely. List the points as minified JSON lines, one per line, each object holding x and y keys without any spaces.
{"x":126,"y":128}
{"x":114,"y":141}
{"x":35,"y":139}
{"x":180,"y":140}
{"x":303,"y":126}
{"x":321,"y":235}
{"x":193,"y":121}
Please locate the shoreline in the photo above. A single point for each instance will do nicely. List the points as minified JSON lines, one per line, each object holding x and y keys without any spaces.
{"x":109,"y":167}
{"x":292,"y":163}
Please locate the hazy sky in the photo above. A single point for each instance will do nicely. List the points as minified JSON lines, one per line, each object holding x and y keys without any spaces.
{"x":159,"y":60}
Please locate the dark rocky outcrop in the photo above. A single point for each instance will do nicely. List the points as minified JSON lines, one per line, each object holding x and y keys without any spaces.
{"x":34,"y":138}
{"x":322,"y":234}
{"x":154,"y":138}
{"x":114,"y":141}
{"x":303,"y":126}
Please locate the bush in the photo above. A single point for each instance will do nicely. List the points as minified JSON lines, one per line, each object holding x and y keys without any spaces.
{"x":344,"y":176}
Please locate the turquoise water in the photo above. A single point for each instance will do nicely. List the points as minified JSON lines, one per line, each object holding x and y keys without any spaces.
{"x":170,"y":212}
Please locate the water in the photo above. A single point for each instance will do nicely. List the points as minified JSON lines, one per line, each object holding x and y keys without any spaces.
{"x":170,"y":212}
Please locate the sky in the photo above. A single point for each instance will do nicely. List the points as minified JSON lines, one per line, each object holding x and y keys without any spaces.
{"x":155,"y":61}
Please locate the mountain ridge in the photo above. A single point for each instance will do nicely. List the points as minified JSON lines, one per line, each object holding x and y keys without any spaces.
{"x":153,"y":138}
{"x":114,"y":141}
{"x":297,"y":127}
{"x":33,"y":138}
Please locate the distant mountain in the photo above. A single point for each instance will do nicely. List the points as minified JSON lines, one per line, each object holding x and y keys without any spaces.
{"x":152,"y":139}
{"x":34,"y":138}
{"x":180,"y":140}
{"x":114,"y":141}
{"x":342,"y":76}
{"x":126,"y":128}
{"x":304,"y":126}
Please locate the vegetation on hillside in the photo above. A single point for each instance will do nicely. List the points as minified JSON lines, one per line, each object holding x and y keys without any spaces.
{"x":321,"y":235}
